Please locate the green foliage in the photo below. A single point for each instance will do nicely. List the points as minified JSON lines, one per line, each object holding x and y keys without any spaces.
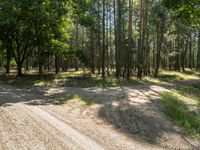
{"x":188,"y":11}
{"x":85,"y":12}
{"x":30,"y":24}
{"x":79,"y":54}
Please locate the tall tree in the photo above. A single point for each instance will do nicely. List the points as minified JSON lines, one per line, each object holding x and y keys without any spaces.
{"x":103,"y":38}
{"x":130,"y":42}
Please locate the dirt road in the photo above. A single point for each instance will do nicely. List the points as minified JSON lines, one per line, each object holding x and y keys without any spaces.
{"x":119,"y":118}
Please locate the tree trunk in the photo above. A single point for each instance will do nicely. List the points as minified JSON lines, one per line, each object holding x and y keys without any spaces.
{"x":119,"y":39}
{"x":48,"y":64}
{"x":103,"y":48}
{"x":76,"y":64}
{"x":40,"y":62}
{"x":160,"y":38}
{"x":92,"y":51}
{"x":8,"y":50}
{"x":27,"y":65}
{"x":198,"y":53}
{"x":19,"y":69}
{"x":141,"y":41}
{"x":190,"y":51}
{"x":146,"y":52}
{"x":115,"y":36}
{"x":107,"y":45}
{"x":183,"y":56}
{"x":99,"y":38}
{"x":110,"y":42}
{"x":56,"y":64}
{"x":177,"y":64}
{"x":130,"y":39}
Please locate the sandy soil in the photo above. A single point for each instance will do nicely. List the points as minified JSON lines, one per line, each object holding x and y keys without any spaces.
{"x":105,"y":118}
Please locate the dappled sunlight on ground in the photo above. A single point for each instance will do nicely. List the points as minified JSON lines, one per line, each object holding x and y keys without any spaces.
{"x":135,"y":111}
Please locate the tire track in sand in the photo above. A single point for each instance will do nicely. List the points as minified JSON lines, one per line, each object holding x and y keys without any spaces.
{"x":80,"y":139}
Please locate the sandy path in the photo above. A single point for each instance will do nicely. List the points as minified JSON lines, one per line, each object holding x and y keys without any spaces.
{"x":29,"y":127}
{"x":126,"y":118}
{"x":131,"y":110}
{"x":22,"y":130}
{"x":74,"y":135}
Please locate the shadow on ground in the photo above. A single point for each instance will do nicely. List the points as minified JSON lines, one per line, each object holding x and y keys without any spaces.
{"x":68,"y":79}
{"x":135,"y":111}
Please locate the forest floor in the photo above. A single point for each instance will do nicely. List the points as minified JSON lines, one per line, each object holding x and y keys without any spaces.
{"x":121,"y":117}
{"x":84,"y":79}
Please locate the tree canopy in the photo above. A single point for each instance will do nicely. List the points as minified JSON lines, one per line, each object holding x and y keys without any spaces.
{"x":118,"y":37}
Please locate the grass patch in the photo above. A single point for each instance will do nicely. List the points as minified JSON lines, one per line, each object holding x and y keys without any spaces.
{"x":28,"y":80}
{"x":182,"y":105}
{"x":197,"y":86}
{"x":60,"y":99}
{"x":172,"y":76}
{"x":91,"y":81}
{"x":151,"y":80}
{"x":86,"y":79}
{"x":68,"y":79}
{"x":85,"y":101}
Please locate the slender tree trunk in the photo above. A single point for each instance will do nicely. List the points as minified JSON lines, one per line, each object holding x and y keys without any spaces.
{"x":8,"y":55}
{"x":157,"y":54}
{"x":130,"y":38}
{"x":190,"y":51}
{"x":107,"y":45}
{"x":115,"y":35}
{"x":19,"y":69}
{"x":103,"y":48}
{"x":141,"y":41}
{"x":177,"y":64}
{"x":99,"y":38}
{"x":27,"y":65}
{"x":40,"y":61}
{"x":48,"y":64}
{"x":153,"y":53}
{"x":119,"y":39}
{"x":198,"y":52}
{"x":92,"y":51}
{"x":18,"y":61}
{"x":146,"y":38}
{"x":110,"y":42}
{"x":183,"y":56}
{"x":160,"y":38}
{"x":56,"y":64}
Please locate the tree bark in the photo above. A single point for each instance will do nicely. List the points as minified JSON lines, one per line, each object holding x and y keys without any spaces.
{"x":20,"y":55}
{"x":99,"y":38}
{"x":103,"y":48}
{"x":56,"y":64}
{"x":92,"y":65}
{"x":119,"y":39}
{"x":40,"y":61}
{"x":141,"y":41}
{"x":177,"y":64}
{"x":183,"y":56}
{"x":190,"y":51}
{"x":129,"y":39}
{"x":198,"y":53}
{"x":160,"y":38}
{"x":8,"y":55}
